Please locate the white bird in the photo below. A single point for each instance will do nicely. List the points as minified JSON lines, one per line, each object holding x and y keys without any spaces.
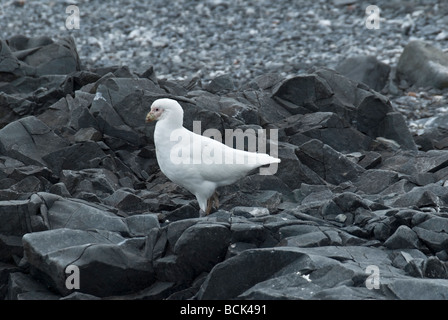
{"x":197,"y":163}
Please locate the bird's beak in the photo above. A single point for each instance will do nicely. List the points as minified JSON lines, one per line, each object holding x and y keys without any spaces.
{"x":150,"y":117}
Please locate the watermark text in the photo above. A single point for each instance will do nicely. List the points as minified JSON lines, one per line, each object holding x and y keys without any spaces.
{"x":373,"y":17}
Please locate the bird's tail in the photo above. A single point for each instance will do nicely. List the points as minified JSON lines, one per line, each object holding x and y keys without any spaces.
{"x":264,"y":158}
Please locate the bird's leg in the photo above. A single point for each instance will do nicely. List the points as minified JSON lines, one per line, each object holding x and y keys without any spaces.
{"x":213,"y":201}
{"x":209,"y":206}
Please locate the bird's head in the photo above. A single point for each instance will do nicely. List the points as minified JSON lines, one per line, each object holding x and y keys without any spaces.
{"x":164,"y":108}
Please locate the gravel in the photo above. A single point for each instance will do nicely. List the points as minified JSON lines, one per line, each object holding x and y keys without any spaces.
{"x":188,"y":38}
{"x":243,"y":38}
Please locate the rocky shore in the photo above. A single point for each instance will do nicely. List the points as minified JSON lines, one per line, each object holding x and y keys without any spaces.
{"x":358,"y":208}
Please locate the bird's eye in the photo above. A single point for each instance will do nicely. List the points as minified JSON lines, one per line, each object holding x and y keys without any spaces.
{"x":157,"y":109}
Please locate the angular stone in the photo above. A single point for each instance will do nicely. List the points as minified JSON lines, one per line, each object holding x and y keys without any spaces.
{"x":403,"y":238}
{"x":430,"y":195}
{"x":101,"y":182}
{"x":29,"y":140}
{"x":76,"y":157}
{"x":126,"y":201}
{"x":374,"y":181}
{"x":142,"y":224}
{"x":221,"y":83}
{"x":311,"y":239}
{"x":303,"y":90}
{"x":51,"y":58}
{"x":23,"y":287}
{"x":371,"y":112}
{"x":248,"y":233}
{"x":234,"y":276}
{"x":10,"y":248}
{"x":81,"y":215}
{"x":329,"y":164}
{"x":14,"y":215}
{"x":423,"y":65}
{"x":394,"y":127}
{"x":419,"y":289}
{"x":106,"y":267}
{"x":434,"y":268}
{"x":292,"y":171}
{"x":87,"y":134}
{"x":201,"y":246}
{"x":435,"y":241}
{"x":366,"y":69}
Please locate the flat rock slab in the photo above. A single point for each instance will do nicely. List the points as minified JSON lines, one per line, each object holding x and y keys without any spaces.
{"x":106,"y":266}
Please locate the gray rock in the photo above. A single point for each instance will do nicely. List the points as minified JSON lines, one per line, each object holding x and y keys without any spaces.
{"x":97,"y":181}
{"x":430,"y":195}
{"x":248,"y":233}
{"x":435,"y":241}
{"x":230,"y":279}
{"x":220,"y":84}
{"x":106,"y":266}
{"x":10,"y":248}
{"x":16,"y":215}
{"x":188,"y":211}
{"x":374,"y":181}
{"x":87,"y":134}
{"x":403,"y":238}
{"x":142,"y":224}
{"x":305,"y":91}
{"x":394,"y":127}
{"x":366,"y":69}
{"x":348,"y":293}
{"x":434,"y":268}
{"x":327,"y":127}
{"x":424,"y":65}
{"x":329,"y":164}
{"x":60,"y":189}
{"x":201,"y":246}
{"x":292,"y":171}
{"x":77,"y":157}
{"x":198,"y":248}
{"x":24,"y":287}
{"x":370,"y":160}
{"x":127,"y":202}
{"x":47,"y":57}
{"x":336,"y":205}
{"x":413,"y":163}
{"x":249,"y":212}
{"x":419,"y":289}
{"x":372,"y":109}
{"x":77,"y":214}
{"x":29,"y":140}
{"x":311,"y":239}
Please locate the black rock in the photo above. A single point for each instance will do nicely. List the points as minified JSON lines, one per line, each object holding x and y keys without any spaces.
{"x":366,"y":69}
{"x":403,"y":238}
{"x":97,"y":255}
{"x":329,"y":164}
{"x":230,"y":279}
{"x":80,"y":184}
{"x":220,"y":84}
{"x":375,"y":180}
{"x":29,"y":140}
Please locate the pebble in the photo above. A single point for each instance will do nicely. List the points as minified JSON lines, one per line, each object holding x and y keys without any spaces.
{"x":210,"y":37}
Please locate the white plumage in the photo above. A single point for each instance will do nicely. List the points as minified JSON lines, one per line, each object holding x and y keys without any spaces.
{"x":197,"y":163}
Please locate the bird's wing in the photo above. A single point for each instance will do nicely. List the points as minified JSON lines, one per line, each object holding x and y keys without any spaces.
{"x":222,"y":164}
